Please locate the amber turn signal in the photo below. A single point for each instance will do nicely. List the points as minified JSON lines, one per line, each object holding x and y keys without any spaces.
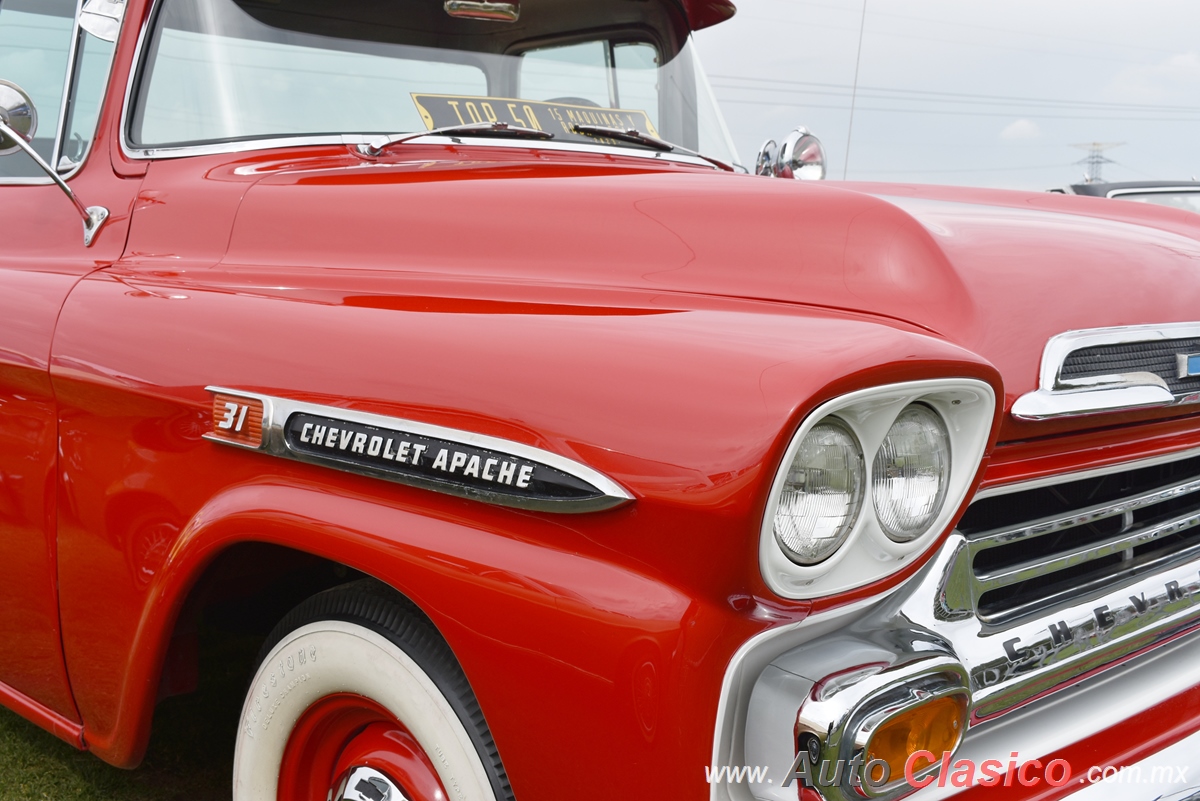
{"x":935,"y":726}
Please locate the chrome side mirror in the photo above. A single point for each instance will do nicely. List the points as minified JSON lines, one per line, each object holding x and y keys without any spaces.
{"x":801,"y":157}
{"x":18,"y":113}
{"x":18,"y":123}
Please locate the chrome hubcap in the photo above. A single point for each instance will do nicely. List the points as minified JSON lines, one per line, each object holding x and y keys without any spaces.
{"x":367,"y":784}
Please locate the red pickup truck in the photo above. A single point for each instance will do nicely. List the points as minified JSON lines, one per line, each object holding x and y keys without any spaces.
{"x":562,"y":455}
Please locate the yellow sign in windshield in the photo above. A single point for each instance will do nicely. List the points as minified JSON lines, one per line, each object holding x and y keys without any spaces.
{"x":560,"y":119}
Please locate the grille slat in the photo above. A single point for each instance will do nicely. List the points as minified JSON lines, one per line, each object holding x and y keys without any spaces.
{"x":1090,"y":515}
{"x":1038,"y":568}
{"x":1035,"y":549}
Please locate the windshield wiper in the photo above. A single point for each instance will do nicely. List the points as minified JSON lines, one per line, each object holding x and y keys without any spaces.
{"x":377,"y":146}
{"x":638,"y":138}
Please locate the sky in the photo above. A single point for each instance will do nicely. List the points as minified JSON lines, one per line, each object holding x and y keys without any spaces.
{"x":966,"y":92}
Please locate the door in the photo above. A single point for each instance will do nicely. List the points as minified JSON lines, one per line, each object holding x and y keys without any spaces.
{"x":64,"y":72}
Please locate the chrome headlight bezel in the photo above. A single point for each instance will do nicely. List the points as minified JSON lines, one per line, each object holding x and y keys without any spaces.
{"x":966,"y":407}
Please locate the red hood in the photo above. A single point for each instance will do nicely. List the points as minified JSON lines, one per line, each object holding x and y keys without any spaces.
{"x":996,"y":272}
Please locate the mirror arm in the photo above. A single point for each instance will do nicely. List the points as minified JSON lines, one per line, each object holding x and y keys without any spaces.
{"x":93,"y":216}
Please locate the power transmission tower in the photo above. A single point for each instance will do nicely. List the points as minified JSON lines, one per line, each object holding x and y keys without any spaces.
{"x":1095,"y":160}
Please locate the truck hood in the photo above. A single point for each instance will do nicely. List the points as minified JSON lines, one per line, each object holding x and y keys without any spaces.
{"x":996,"y":272}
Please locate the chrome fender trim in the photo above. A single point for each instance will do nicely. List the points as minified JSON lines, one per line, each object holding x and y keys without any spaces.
{"x":437,"y":458}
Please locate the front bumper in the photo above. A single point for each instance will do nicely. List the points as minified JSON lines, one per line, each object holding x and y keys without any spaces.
{"x":1113,"y":718}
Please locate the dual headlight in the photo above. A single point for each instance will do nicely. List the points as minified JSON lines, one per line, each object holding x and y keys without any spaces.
{"x":827,"y":482}
{"x":874,"y":473}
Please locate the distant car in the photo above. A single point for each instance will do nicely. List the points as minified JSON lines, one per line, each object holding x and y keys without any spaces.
{"x":1176,"y":194}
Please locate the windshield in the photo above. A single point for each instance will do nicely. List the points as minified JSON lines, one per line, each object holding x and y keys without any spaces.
{"x":218,"y":71}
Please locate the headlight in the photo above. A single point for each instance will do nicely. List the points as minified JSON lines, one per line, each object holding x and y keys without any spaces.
{"x":909,"y":476}
{"x":822,"y":494}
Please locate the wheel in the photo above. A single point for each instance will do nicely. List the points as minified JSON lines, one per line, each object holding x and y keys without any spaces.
{"x":358,"y":697}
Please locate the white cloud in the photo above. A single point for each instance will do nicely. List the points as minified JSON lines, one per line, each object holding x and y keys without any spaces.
{"x":1021,"y":129}
{"x":1173,"y":80}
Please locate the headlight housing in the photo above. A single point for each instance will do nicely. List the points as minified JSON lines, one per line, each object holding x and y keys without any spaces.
{"x":822,"y":494}
{"x":918,"y":446}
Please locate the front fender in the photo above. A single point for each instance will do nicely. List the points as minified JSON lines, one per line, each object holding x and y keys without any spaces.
{"x":540,"y":631}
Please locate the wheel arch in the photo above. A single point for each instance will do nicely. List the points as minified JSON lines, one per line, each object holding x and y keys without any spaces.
{"x":351,"y":538}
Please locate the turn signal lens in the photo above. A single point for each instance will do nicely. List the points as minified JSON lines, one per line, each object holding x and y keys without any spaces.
{"x":908,"y":482}
{"x":935,"y":726}
{"x":822,"y":495}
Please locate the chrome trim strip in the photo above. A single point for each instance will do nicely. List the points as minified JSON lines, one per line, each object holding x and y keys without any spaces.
{"x":277,"y":411}
{"x":1056,"y":397}
{"x":26,"y":182}
{"x":1191,"y":190}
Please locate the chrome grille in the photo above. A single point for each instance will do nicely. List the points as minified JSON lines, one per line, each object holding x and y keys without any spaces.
{"x":1039,"y":548}
{"x":1157,"y":357}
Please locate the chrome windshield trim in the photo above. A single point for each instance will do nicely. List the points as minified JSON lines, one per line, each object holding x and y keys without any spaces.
{"x":353,"y":140}
{"x":28,"y":181}
{"x":1058,"y":397}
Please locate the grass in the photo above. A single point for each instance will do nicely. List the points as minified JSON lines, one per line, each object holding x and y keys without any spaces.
{"x":191,"y":747}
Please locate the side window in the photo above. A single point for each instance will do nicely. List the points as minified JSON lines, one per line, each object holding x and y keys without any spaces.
{"x":35,"y":49}
{"x":36,"y":38}
{"x":596,"y":73}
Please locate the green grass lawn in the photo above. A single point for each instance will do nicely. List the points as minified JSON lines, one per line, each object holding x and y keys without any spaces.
{"x":190,"y":756}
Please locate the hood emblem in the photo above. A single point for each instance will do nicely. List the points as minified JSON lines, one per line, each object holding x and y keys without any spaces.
{"x":442,"y":459}
{"x":1189,"y":364}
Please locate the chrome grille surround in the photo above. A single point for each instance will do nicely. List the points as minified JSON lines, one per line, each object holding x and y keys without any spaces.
{"x":1112,"y":369}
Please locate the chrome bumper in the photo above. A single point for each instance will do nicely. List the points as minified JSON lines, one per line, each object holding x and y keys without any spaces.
{"x":1039,"y":684}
